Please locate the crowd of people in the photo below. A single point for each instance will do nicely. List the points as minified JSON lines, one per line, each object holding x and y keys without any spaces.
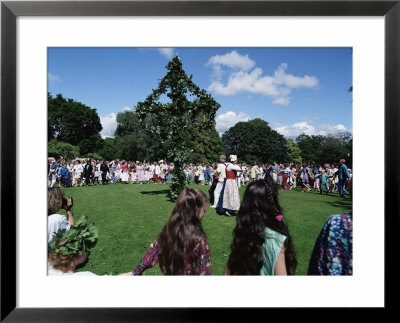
{"x":261,"y":245}
{"x":327,"y":178}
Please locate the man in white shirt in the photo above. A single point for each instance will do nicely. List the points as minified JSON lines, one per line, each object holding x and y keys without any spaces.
{"x":221,"y":172}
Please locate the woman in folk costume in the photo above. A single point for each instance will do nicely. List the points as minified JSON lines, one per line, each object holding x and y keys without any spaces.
{"x":230,"y":201}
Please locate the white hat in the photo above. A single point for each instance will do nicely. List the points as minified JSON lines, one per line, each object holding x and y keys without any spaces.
{"x":233,"y":157}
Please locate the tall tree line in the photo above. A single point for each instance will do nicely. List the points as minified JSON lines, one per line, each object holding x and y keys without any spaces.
{"x":74,"y":131}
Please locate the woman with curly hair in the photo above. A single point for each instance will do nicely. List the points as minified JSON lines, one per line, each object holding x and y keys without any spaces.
{"x":181,"y":248}
{"x":261,"y":244}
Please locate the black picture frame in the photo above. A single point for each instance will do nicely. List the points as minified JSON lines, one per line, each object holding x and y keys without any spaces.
{"x":10,"y":10}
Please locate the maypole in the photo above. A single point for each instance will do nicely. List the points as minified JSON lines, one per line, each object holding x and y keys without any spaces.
{"x":181,"y":114}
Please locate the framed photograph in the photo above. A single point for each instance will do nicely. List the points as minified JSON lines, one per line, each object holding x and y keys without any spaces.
{"x":29,"y":29}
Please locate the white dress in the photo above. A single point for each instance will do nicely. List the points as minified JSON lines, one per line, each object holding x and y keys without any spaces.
{"x":231,"y":199}
{"x":201,"y":174}
{"x":124,"y":176}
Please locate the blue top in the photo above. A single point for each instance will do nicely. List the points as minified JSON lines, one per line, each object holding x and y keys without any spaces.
{"x":270,"y":250}
{"x":64,"y":171}
{"x":343,"y":172}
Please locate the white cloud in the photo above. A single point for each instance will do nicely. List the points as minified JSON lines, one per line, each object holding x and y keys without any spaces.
{"x":295,"y":129}
{"x":109,"y":123}
{"x":232,"y":60}
{"x":229,"y":119}
{"x":167,"y":52}
{"x":291,"y":81}
{"x":331,"y":130}
{"x":53,"y":78}
{"x":242,"y":79}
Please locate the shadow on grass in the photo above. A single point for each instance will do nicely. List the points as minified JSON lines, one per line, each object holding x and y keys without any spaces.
{"x":333,"y":195}
{"x":154,"y":192}
{"x":341,"y":202}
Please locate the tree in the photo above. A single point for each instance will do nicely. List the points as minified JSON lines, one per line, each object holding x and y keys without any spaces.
{"x":254,"y":140}
{"x":331,"y":151}
{"x":294,"y":152}
{"x":71,"y":121}
{"x":325,"y":149}
{"x":133,"y":142}
{"x":58,"y":149}
{"x":109,"y":149}
{"x":91,"y":144}
{"x":175,"y":117}
{"x":310,"y":147}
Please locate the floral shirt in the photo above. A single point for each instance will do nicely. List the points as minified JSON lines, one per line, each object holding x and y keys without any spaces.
{"x":201,"y":250}
{"x":333,"y":250}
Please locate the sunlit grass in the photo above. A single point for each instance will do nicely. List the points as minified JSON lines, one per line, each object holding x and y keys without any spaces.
{"x":130,"y":216}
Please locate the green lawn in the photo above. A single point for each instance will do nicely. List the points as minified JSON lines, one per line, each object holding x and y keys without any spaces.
{"x":129,"y":217}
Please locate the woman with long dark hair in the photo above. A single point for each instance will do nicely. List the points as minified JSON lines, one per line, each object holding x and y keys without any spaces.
{"x":181,"y":248}
{"x":261,"y":242}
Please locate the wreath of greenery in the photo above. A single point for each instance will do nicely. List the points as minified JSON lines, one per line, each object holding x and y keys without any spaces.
{"x":180,"y":113}
{"x":81,"y":237}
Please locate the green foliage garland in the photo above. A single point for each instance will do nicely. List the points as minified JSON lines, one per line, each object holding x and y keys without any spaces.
{"x":81,"y":237}
{"x":181,"y":114}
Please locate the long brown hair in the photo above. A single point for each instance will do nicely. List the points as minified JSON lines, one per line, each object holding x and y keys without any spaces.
{"x":258,"y":210}
{"x":177,"y":237}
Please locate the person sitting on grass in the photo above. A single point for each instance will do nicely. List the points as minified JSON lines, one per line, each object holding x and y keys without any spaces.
{"x":181,"y":248}
{"x":70,"y":248}
{"x":261,"y":242}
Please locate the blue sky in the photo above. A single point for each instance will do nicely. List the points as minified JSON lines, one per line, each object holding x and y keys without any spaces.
{"x":294,"y":89}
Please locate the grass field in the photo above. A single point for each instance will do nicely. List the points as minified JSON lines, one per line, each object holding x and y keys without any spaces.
{"x":130,"y":216}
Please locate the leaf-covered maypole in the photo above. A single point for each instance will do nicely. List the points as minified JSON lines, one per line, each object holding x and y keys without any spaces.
{"x":190,"y":107}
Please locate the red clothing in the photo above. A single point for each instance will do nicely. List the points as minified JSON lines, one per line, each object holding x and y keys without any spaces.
{"x":201,"y":250}
{"x":284,"y":182}
{"x":230,"y":174}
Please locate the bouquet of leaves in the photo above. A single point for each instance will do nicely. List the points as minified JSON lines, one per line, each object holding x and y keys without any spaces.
{"x":81,"y":237}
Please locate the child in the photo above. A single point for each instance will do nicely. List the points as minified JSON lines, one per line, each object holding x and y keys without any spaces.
{"x":113,"y":177}
{"x":261,"y":244}
{"x":147,"y":176}
{"x":196,"y":176}
{"x":181,"y":248}
{"x":323,"y":179}
{"x":133,"y":175}
{"x":66,"y":253}
{"x":96,"y":176}
{"x":162,"y":177}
